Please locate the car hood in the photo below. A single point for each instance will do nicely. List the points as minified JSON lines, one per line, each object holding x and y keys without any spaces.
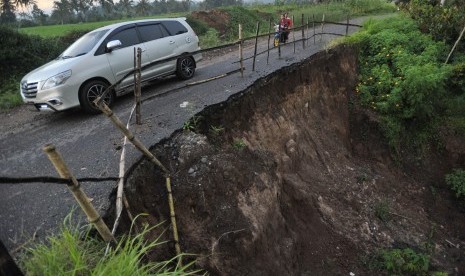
{"x":51,"y":69}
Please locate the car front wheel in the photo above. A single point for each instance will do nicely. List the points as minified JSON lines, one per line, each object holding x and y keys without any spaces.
{"x":90,"y":91}
{"x":185,"y":68}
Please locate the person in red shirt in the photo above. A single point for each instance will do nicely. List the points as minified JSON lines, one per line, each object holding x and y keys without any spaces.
{"x":285,"y":25}
{"x":284,"y":28}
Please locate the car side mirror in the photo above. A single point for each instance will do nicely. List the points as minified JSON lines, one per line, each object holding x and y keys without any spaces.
{"x":113,"y":45}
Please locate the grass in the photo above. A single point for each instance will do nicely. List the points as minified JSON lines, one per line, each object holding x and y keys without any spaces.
{"x":61,"y":30}
{"x":75,"y":252}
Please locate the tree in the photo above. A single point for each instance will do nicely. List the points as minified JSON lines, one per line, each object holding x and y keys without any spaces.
{"x":126,"y":7}
{"x":38,"y":15}
{"x":143,"y":8}
{"x":8,"y":9}
{"x":62,"y":11}
{"x":105,"y":5}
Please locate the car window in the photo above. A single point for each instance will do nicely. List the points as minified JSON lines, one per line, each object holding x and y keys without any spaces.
{"x":83,"y":45}
{"x":128,"y":37}
{"x":151,"y":32}
{"x":174,"y":27}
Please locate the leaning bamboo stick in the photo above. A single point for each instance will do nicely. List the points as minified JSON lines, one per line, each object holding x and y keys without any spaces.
{"x":92,"y":214}
{"x":136,"y":142}
{"x":455,"y":45}
{"x":322,"y":26}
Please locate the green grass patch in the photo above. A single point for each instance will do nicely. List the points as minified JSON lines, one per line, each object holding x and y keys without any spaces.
{"x":76,"y":252}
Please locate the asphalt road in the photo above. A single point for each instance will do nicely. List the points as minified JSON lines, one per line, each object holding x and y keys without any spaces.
{"x":91,"y":144}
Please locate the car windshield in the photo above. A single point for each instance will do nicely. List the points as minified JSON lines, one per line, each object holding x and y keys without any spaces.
{"x":83,"y":45}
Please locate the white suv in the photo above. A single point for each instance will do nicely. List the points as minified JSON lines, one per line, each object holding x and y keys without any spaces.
{"x":104,"y":56}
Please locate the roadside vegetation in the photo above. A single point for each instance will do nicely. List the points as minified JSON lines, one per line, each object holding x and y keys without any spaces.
{"x":75,"y":251}
{"x":404,"y":77}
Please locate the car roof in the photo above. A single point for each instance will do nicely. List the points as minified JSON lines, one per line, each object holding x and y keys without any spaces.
{"x":119,"y":24}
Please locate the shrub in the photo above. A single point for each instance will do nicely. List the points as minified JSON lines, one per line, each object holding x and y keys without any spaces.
{"x":456,"y":180}
{"x":405,"y":262}
{"x":402,"y":76}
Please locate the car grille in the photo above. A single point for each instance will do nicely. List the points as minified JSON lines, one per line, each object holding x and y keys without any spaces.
{"x":29,"y":90}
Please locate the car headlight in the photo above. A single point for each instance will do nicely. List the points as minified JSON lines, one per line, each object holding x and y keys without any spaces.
{"x":57,"y":80}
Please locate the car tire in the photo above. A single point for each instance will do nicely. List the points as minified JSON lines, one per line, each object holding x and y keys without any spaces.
{"x":90,"y":91}
{"x":185,"y":68}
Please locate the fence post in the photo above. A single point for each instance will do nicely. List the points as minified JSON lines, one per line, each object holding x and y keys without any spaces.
{"x":256,"y":42}
{"x":269,"y":37}
{"x":137,"y":86}
{"x":314,"y":32}
{"x":92,"y":215}
{"x":240,"y":50}
{"x":293,"y":32}
{"x":322,"y":26}
{"x":303,"y":32}
{"x":347,"y":26}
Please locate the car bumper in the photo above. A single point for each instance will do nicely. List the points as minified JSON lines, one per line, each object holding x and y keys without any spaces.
{"x":54,"y":99}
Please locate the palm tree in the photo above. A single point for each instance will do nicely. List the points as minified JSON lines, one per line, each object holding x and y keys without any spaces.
{"x":143,"y":8}
{"x":8,"y":9}
{"x":126,"y":6}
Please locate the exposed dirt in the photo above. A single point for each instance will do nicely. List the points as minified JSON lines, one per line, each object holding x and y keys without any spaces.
{"x":217,"y":19}
{"x":299,"y":182}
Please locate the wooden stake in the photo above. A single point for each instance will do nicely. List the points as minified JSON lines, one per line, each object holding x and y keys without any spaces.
{"x":293,"y":32}
{"x":269,"y":38}
{"x":173,"y":217}
{"x":240,"y":50}
{"x":92,"y":215}
{"x":137,"y":91}
{"x":347,"y":26}
{"x":314,"y":32}
{"x":322,"y":26}
{"x":256,"y":42}
{"x":303,"y":31}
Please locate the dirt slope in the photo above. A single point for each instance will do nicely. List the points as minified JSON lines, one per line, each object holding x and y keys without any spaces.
{"x":295,"y":184}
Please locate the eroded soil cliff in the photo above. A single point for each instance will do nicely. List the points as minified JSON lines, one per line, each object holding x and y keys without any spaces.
{"x":290,"y":177}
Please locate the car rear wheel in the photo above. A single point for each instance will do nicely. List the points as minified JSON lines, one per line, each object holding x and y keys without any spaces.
{"x":90,"y":91}
{"x":185,"y":68}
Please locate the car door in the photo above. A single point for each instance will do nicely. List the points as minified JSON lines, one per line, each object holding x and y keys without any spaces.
{"x":159,"y":45}
{"x":121,"y":59}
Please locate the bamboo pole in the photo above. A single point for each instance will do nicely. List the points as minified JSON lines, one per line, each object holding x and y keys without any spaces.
{"x":306,"y":40}
{"x":136,"y":142}
{"x":173,"y":217}
{"x":293,"y":32}
{"x":92,"y":214}
{"x":240,"y":50}
{"x":138,"y":87}
{"x":347,"y":26}
{"x":455,"y":45}
{"x":303,"y":31}
{"x":322,"y":26}
{"x":314,"y":32}
{"x":256,"y":43}
{"x":269,"y":38}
